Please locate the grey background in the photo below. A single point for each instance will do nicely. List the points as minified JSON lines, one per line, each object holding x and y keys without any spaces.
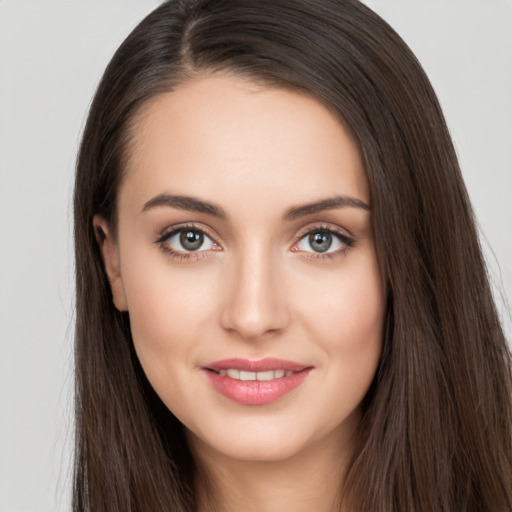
{"x":52,"y":53}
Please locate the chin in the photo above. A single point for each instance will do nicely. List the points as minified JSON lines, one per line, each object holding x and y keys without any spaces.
{"x":241,"y":448}
{"x":266,"y":440}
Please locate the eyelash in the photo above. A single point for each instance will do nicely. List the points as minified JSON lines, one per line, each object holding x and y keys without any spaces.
{"x":347,"y":242}
{"x":182,"y":256}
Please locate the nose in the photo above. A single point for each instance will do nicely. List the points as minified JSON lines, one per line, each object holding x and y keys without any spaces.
{"x":256,"y":302}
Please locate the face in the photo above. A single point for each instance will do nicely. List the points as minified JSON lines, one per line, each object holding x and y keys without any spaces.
{"x":246,"y":261}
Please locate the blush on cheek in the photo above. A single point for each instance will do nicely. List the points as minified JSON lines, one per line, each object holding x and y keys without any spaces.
{"x":357,"y":319}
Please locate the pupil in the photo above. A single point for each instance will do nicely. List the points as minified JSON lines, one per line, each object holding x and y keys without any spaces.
{"x":191,"y":240}
{"x":320,"y":242}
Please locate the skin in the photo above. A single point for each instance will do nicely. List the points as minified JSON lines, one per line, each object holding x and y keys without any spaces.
{"x":259,"y":289}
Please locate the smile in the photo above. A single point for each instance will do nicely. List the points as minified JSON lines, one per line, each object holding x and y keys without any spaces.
{"x":255,"y":382}
{"x":234,"y":373}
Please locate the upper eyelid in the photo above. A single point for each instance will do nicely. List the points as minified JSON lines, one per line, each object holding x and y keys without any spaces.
{"x":323,"y":227}
{"x":171,"y":230}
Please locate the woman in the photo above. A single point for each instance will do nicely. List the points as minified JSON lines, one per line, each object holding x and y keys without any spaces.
{"x":281,"y":300}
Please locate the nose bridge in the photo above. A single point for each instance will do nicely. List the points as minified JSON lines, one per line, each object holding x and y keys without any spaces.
{"x":255,"y":305}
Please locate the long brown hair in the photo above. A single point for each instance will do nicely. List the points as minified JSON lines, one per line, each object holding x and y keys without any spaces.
{"x":436,"y":434}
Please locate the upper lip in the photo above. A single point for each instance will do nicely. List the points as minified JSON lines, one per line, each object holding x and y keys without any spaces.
{"x":260,"y":365}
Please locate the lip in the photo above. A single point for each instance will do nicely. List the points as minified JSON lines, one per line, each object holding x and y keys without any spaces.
{"x":256,"y":392}
{"x":260,"y":365}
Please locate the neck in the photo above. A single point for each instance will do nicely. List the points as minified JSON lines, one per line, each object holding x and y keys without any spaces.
{"x":309,"y":480}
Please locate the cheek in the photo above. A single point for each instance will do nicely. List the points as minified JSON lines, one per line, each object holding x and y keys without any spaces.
{"x":167,"y":309}
{"x":348,"y":323}
{"x":347,"y":310}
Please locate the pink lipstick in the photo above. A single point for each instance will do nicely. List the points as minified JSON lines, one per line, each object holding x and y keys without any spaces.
{"x":255,"y":382}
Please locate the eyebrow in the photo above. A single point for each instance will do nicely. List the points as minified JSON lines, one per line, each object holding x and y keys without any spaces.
{"x":198,"y":205}
{"x":185,"y":203}
{"x":325,"y":204}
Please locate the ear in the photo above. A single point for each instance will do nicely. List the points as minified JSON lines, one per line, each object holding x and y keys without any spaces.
{"x":110,"y":255}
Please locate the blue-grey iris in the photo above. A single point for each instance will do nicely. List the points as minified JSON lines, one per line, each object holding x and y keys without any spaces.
{"x":191,"y":240}
{"x":320,"y":242}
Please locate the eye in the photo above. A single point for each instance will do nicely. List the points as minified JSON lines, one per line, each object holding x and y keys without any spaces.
{"x":324,"y":241}
{"x":186,"y":240}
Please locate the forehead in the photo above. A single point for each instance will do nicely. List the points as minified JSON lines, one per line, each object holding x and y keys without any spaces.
{"x":228,"y":137}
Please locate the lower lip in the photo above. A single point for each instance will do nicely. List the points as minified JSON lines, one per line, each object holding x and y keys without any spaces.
{"x":256,"y":392}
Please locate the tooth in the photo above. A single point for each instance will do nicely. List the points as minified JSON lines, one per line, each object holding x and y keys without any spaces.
{"x":233,"y":373}
{"x":265,"y":375}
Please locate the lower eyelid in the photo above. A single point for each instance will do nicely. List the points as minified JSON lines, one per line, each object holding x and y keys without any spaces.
{"x":184,"y":256}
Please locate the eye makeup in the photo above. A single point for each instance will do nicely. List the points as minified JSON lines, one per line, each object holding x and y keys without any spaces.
{"x":319,"y":236}
{"x":190,"y":242}
{"x":183,"y":234}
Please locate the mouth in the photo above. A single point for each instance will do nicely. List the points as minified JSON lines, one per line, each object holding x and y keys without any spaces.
{"x":235,"y":373}
{"x":259,"y":382}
